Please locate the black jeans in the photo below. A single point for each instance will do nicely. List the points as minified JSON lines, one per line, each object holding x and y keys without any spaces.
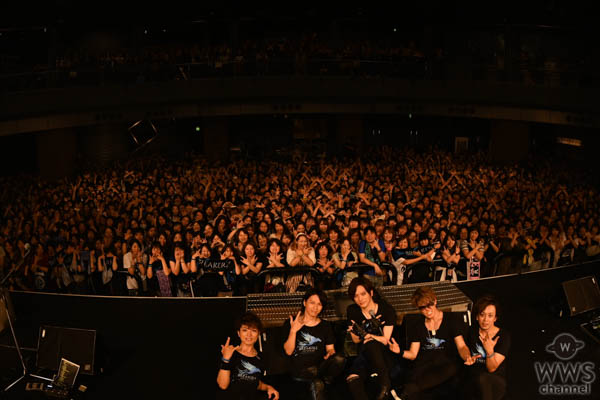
{"x":373,"y":357}
{"x":483,"y":385}
{"x":429,"y":374}
{"x":318,"y":376}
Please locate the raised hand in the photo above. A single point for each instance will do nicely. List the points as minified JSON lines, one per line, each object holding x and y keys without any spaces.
{"x":228,"y":349}
{"x":296,"y":323}
{"x":488,"y":343}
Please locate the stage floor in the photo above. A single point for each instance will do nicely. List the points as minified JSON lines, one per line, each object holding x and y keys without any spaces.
{"x":176,"y":359}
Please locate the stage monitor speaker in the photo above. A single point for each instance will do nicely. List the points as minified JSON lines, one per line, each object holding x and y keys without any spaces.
{"x":582,"y":295}
{"x":75,"y":345}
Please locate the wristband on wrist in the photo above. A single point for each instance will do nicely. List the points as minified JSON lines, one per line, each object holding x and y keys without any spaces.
{"x":226,"y":360}
{"x":491,"y":354}
{"x":225,"y":366}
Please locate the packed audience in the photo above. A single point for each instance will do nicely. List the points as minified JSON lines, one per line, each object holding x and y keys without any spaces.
{"x":187,"y":227}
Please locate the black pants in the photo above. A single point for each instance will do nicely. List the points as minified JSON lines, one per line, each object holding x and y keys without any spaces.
{"x":373,"y":357}
{"x":319,"y":376}
{"x":483,"y":385}
{"x":429,"y":374}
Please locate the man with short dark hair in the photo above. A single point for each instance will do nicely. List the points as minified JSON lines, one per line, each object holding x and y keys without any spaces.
{"x":371,"y":251}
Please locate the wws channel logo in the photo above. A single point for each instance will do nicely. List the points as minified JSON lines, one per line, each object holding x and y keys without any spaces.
{"x":565,"y":377}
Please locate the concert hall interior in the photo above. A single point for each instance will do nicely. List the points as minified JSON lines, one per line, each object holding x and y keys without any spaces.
{"x":246,"y":201}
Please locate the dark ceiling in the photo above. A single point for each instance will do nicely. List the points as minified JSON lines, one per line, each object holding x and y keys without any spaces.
{"x":17,"y":14}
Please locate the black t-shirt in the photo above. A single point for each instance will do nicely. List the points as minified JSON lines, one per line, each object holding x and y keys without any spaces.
{"x":387,"y":312}
{"x":246,"y":373}
{"x":86,"y":261}
{"x":490,"y":253}
{"x":424,"y":249}
{"x":541,"y":245}
{"x":310,"y":344}
{"x":406,"y":254}
{"x":108,"y":262}
{"x":157,"y":266}
{"x":435,"y":344}
{"x":476,"y":347}
{"x":182,"y":280}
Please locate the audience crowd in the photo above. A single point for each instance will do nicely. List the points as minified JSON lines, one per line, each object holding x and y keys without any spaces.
{"x":187,"y":227}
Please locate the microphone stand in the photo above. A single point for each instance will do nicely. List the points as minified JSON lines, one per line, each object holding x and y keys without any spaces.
{"x":4,"y":297}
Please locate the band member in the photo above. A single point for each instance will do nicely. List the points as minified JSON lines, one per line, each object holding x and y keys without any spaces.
{"x":310,"y":344}
{"x":241,"y":366}
{"x":370,"y":323}
{"x":431,"y":346}
{"x":489,"y":347}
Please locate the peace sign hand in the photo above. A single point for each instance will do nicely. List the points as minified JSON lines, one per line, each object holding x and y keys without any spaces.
{"x":394,"y":346}
{"x":227,"y":349}
{"x":296,"y":323}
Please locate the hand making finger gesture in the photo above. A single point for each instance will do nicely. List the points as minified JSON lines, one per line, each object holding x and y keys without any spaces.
{"x":296,"y":323}
{"x":272,"y":393}
{"x":394,"y":346}
{"x":275,"y":258}
{"x":488,"y":343}
{"x":227,"y":349}
{"x":471,"y":359}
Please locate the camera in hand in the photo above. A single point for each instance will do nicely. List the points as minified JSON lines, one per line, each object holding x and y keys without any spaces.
{"x":372,"y":325}
{"x":375,"y":324}
{"x":358,"y":331}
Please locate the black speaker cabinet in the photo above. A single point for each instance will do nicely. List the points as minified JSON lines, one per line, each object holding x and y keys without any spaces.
{"x":582,"y":295}
{"x":76,"y":345}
